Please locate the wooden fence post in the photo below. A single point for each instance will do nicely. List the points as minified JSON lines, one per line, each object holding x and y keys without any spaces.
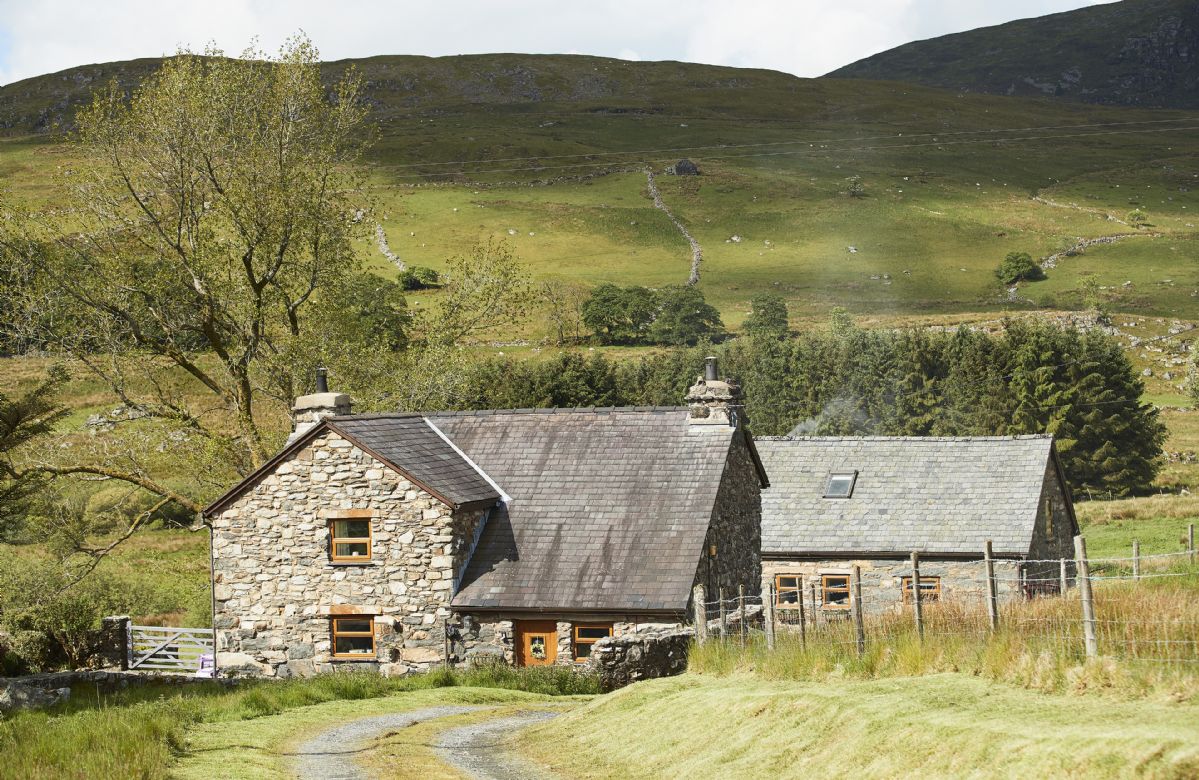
{"x":768,"y":614}
{"x":917,"y":607}
{"x":724,"y":618}
{"x":992,"y":596}
{"x":803,"y":629}
{"x":1084,"y":590}
{"x":1136,"y":559}
{"x":741,"y":611}
{"x":859,"y":625}
{"x":699,"y":606}
{"x":1064,"y":585}
{"x":812,"y":592}
{"x":1191,"y":542}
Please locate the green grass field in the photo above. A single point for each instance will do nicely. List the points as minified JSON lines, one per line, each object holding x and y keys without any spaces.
{"x":941,"y":726}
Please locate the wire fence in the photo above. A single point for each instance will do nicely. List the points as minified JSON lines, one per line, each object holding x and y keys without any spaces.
{"x":1140,"y":608}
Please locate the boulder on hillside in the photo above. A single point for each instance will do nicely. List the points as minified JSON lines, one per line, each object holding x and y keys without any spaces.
{"x":685,"y":167}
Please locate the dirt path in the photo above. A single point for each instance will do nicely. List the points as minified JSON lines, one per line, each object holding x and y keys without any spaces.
{"x":330,"y":755}
{"x":480,"y":752}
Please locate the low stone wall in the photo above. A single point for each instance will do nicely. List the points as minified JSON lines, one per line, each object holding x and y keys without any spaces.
{"x":39,"y":691}
{"x":622,"y":660}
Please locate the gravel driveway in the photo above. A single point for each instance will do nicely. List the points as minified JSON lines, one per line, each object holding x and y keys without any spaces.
{"x":480,"y":751}
{"x":477,"y":750}
{"x":330,"y":755}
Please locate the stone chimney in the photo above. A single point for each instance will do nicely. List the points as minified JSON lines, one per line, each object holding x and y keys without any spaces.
{"x":715,"y":401}
{"x":311,"y":409}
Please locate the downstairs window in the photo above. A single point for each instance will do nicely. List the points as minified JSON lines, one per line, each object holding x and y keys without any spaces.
{"x":788,"y":590}
{"x":354,"y":637}
{"x":834,"y":591}
{"x":930,"y":589}
{"x":586,"y":636}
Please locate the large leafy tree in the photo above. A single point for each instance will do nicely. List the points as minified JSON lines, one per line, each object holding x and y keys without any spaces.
{"x":23,"y":419}
{"x":212,"y":210}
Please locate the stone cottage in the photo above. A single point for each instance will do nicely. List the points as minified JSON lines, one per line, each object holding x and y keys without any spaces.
{"x":837,"y":502}
{"x":404,"y":541}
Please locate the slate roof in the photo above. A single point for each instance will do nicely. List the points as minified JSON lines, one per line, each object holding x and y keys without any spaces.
{"x":406,"y":443}
{"x":409,"y":444}
{"x":609,"y":508}
{"x":931,"y":494}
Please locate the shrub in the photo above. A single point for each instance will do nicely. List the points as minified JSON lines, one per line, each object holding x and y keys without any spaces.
{"x":418,"y":277}
{"x":1018,"y":266}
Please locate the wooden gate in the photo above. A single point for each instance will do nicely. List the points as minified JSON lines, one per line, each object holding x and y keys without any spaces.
{"x":160,"y":649}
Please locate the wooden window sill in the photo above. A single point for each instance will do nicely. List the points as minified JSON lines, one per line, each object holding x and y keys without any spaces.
{"x":355,"y":563}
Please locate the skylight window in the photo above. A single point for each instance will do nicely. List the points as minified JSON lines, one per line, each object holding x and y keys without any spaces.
{"x":840,"y":484}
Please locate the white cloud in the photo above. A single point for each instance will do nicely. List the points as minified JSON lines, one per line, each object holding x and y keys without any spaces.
{"x":805,"y":37}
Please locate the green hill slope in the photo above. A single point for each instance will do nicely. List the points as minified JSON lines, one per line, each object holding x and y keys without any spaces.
{"x":1136,"y":52}
{"x":549,"y":153}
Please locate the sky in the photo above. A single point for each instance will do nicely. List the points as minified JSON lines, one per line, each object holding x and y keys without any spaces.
{"x":803,"y":37}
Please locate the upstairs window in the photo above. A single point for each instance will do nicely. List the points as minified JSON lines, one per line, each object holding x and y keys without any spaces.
{"x":354,"y":637}
{"x":930,"y":589}
{"x":586,"y":637}
{"x":350,"y":540}
{"x":834,"y":591}
{"x":840,"y":484}
{"x":788,"y":590}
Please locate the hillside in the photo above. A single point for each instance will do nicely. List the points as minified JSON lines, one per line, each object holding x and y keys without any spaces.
{"x":549,"y":153}
{"x":1130,"y":53}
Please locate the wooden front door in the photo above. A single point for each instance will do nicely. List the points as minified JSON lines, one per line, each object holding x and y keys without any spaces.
{"x":536,"y":642}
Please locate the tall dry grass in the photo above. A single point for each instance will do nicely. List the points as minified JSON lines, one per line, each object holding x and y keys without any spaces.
{"x":1148,"y":637}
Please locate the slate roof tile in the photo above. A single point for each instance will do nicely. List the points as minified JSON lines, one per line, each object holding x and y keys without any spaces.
{"x":931,"y":494}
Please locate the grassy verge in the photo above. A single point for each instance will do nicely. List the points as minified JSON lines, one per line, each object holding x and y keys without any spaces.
{"x":137,"y":733}
{"x":1158,"y":522}
{"x":949,"y":725}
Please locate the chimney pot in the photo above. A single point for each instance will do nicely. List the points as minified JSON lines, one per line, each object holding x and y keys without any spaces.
{"x":322,"y":380}
{"x":710,"y":372}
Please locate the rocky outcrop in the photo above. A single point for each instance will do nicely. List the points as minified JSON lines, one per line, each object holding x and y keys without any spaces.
{"x":16,"y":695}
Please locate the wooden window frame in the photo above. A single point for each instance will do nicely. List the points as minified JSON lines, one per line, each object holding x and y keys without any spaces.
{"x":778,"y":591}
{"x":825,"y":590}
{"x":577,"y":641}
{"x":853,"y":483}
{"x":351,"y":514}
{"x":373,"y":654}
{"x":927,"y":595}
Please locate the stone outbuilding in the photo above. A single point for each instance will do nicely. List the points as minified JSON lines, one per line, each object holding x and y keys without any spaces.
{"x":839,"y":502}
{"x":405,"y":541}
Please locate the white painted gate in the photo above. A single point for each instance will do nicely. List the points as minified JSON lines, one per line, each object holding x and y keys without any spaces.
{"x":164,"y":649}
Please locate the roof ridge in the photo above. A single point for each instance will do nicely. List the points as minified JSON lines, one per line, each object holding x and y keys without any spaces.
{"x":529,"y":410}
{"x":873,"y":437}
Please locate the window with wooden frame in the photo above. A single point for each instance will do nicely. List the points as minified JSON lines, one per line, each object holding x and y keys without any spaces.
{"x":788,"y":590}
{"x":350,"y":538}
{"x":834,"y":591}
{"x":588,"y":635}
{"x":930,"y":589}
{"x":354,"y":637}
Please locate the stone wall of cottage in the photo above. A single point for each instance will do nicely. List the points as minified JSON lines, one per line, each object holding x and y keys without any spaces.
{"x":490,"y":637}
{"x":735,"y":530}
{"x":277,"y":589}
{"x":882,"y":592}
{"x":1052,"y":540}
